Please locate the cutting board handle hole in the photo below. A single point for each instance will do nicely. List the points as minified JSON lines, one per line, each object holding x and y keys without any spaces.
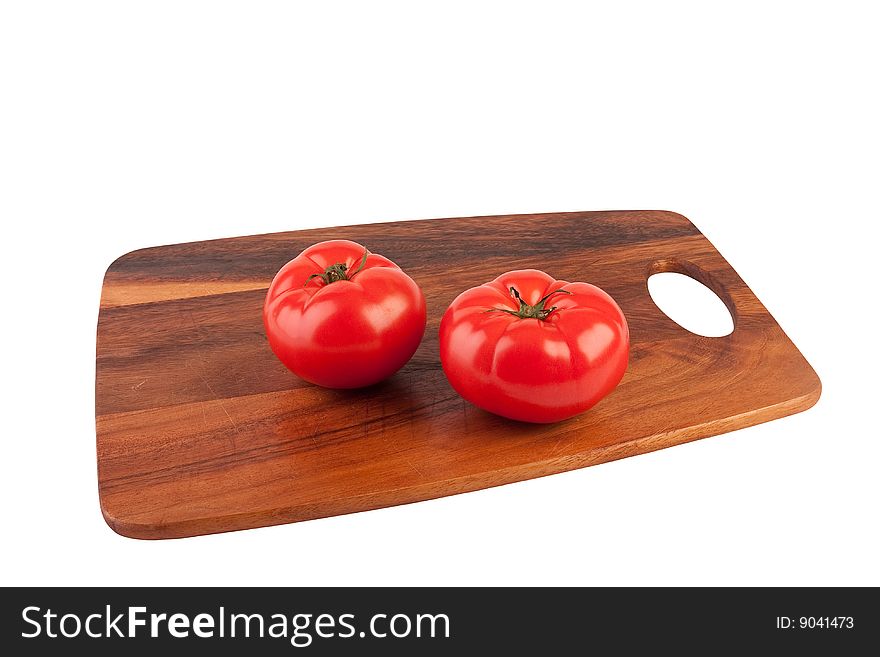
{"x":691,"y":298}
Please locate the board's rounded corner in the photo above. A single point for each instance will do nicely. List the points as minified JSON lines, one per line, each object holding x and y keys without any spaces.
{"x":122,"y":527}
{"x":675,"y":216}
{"x":811,"y":392}
{"x":114,"y":264}
{"x":812,"y":398}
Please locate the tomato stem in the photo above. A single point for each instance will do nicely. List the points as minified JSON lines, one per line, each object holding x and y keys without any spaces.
{"x":338,"y":272}
{"x":527,"y":311}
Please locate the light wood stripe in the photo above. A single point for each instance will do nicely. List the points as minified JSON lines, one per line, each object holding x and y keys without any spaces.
{"x":124,"y":293}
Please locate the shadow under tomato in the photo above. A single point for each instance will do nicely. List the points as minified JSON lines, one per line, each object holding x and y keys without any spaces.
{"x":516,"y":427}
{"x":393,"y":386}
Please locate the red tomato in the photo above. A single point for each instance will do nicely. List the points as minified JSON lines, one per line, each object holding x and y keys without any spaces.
{"x":342,"y":317}
{"x":532,"y":348}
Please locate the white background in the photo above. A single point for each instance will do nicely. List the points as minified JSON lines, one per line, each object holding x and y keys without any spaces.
{"x":126,"y":124}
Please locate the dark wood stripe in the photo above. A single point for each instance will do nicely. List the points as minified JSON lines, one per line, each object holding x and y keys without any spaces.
{"x":407,"y":243}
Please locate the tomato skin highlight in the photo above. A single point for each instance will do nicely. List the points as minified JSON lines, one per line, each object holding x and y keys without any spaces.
{"x":532,"y":369}
{"x":352,"y":331}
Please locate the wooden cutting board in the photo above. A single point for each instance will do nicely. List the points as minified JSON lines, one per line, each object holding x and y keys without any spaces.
{"x":200,"y":429}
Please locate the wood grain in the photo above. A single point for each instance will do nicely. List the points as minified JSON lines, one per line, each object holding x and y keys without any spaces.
{"x":201,"y":430}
